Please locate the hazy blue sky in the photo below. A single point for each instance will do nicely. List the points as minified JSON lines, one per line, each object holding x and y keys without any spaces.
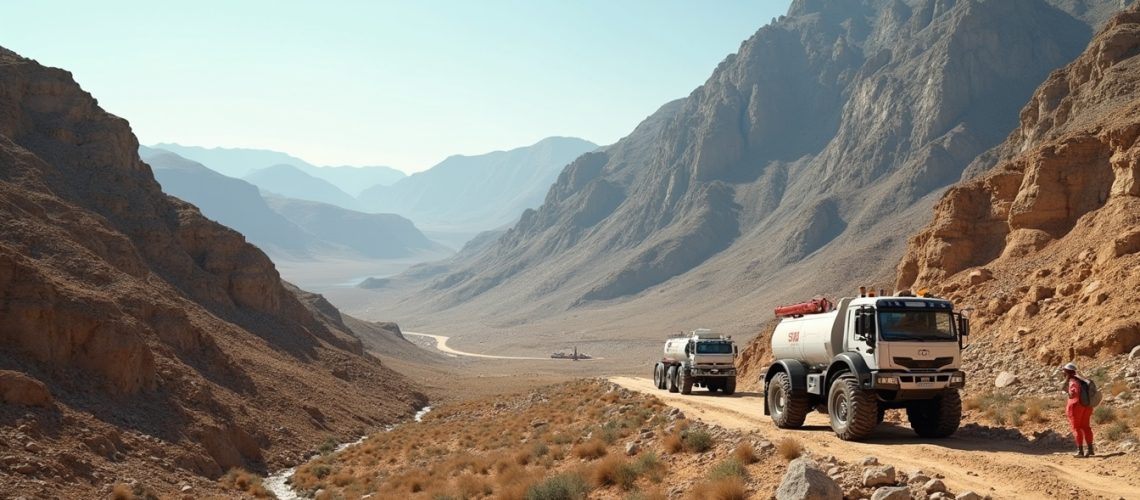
{"x":403,"y":84}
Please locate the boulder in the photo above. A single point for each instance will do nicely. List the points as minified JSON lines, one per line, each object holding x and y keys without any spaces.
{"x":868,"y":461}
{"x":632,"y":448}
{"x":805,"y":480}
{"x":879,"y":476}
{"x":19,"y":389}
{"x":1005,"y":379}
{"x":979,"y":276}
{"x":968,"y":495}
{"x":891,"y":493}
{"x":934,"y":486}
{"x":1135,"y":354}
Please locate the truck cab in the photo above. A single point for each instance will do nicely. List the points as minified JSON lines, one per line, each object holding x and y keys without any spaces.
{"x":700,"y":358}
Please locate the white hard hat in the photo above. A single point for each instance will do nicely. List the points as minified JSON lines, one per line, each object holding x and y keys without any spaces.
{"x":1069,"y":367}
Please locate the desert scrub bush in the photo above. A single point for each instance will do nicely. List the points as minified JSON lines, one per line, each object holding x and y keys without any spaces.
{"x":672,"y":442}
{"x":1117,"y":431}
{"x":697,"y":441}
{"x":565,"y":486}
{"x":590,"y":450}
{"x":725,"y":489}
{"x":651,"y":466}
{"x":539,"y":449}
{"x":1103,"y":415}
{"x":789,"y":448}
{"x":1035,"y":409}
{"x":1117,"y":387}
{"x":614,"y":470}
{"x":652,"y":495}
{"x":728,"y":468}
{"x":328,"y":446}
{"x":472,"y":486}
{"x":244,"y":481}
{"x":745,"y":453}
{"x":121,"y":491}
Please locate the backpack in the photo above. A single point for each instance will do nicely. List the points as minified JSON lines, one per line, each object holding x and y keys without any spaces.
{"x":1090,"y":395}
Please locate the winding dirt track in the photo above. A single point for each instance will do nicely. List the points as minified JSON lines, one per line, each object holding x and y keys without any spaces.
{"x":441,"y":344}
{"x":1000,"y":468}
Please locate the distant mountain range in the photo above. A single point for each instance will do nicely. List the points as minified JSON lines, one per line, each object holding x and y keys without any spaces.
{"x":478,"y":192}
{"x":459,"y":197}
{"x":240,"y":162}
{"x":284,"y":226}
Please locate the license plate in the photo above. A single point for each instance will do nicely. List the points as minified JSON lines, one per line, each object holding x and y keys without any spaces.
{"x":716,"y":371}
{"x":925,"y":381}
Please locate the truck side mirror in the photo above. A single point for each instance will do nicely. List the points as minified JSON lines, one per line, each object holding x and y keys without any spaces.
{"x":865,"y":325}
{"x":735,"y":350}
{"x":963,"y":326}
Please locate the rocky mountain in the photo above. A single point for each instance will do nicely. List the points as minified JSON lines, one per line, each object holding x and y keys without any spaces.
{"x":233,"y":202}
{"x":798,"y":168}
{"x":475,"y":193}
{"x":147,"y":342}
{"x":240,"y":162}
{"x":375,"y":236}
{"x":1045,"y":243}
{"x":290,"y":182}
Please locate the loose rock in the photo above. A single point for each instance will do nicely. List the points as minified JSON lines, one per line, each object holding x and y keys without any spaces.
{"x":891,"y":493}
{"x":934,"y":486}
{"x":805,"y":480}
{"x":968,"y":495}
{"x":879,"y":476}
{"x":1005,"y":379}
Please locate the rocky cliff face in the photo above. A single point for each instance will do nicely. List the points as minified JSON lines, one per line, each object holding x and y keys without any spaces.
{"x":156,"y":331}
{"x":1045,"y":244}
{"x":802,"y":162}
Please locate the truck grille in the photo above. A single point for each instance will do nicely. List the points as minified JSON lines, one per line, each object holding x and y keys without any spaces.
{"x":923,"y":364}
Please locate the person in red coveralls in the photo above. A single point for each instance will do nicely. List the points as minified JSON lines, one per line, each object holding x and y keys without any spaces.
{"x":1078,"y":409}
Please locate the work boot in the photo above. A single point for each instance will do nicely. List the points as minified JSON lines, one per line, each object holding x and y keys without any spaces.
{"x":1080,"y":452}
{"x":1091,"y":452}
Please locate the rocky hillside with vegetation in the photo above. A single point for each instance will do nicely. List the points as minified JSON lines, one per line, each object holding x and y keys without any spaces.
{"x":798,"y":168}
{"x":1045,"y":245}
{"x":140,"y":341}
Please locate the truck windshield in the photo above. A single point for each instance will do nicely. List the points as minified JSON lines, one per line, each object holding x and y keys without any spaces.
{"x":916,"y":325}
{"x":714,"y":348}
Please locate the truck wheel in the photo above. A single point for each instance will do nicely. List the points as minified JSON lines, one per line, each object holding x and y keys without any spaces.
{"x":729,"y":387}
{"x":938,"y":417}
{"x":854,"y":412}
{"x":713,"y":385}
{"x":788,"y":410}
{"x":671,"y":378}
{"x":686,"y":382}
{"x":882,"y":416}
{"x":658,"y":376}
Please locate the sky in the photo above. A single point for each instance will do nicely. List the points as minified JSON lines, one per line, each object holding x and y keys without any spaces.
{"x":397,"y":83}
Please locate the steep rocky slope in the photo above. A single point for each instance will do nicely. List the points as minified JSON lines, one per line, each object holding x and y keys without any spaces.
{"x":148,"y":342}
{"x":477,"y":193}
{"x":796,"y":169}
{"x":1045,"y":245}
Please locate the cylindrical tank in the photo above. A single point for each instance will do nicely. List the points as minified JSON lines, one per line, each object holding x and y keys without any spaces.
{"x":675,"y":349}
{"x":808,"y":339}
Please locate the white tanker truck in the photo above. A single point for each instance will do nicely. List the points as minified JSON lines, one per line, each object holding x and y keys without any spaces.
{"x":856,"y":359}
{"x":700,"y":358}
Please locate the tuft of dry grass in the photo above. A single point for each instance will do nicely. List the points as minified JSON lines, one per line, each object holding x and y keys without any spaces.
{"x":1104,"y":415}
{"x":121,"y":491}
{"x":698,"y":441}
{"x":614,"y":470}
{"x":789,"y":448}
{"x":590,"y":450}
{"x":745,"y":453}
{"x":673,"y":442}
{"x":731,"y":488}
{"x":244,"y":481}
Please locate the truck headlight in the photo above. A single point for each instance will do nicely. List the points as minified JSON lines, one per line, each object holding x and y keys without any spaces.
{"x":957,"y":379}
{"x":886,"y":380}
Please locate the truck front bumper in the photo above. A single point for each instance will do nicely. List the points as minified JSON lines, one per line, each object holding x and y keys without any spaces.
{"x":917,"y":381}
{"x":712,"y":372}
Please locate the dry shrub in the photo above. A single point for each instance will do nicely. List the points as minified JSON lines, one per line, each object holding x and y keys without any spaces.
{"x":725,"y":489}
{"x":522,"y":457}
{"x":789,"y":448}
{"x":698,"y":441}
{"x":566,"y":486}
{"x":1103,"y":415}
{"x":1117,"y":388}
{"x":470,"y":486}
{"x":745,"y":453}
{"x":121,"y":491}
{"x":614,"y":470}
{"x":1035,"y":410}
{"x":673,"y":442}
{"x":590,"y":450}
{"x":244,"y":481}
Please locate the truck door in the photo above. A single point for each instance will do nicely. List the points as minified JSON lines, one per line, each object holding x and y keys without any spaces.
{"x":853,"y":342}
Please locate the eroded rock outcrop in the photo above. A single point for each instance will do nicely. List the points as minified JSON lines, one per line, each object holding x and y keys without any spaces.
{"x":1055,"y":220}
{"x":145,"y":321}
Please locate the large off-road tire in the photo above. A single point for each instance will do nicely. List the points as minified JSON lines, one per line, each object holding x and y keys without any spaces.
{"x":788,"y":410}
{"x":854,"y":412}
{"x":729,"y":386}
{"x":686,"y":382}
{"x":671,"y":378}
{"x":938,"y":417}
{"x":659,"y":376}
{"x":882,"y":416}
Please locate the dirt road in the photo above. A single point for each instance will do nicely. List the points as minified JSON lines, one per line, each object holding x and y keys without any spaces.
{"x":441,"y":344}
{"x":987,"y":466}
